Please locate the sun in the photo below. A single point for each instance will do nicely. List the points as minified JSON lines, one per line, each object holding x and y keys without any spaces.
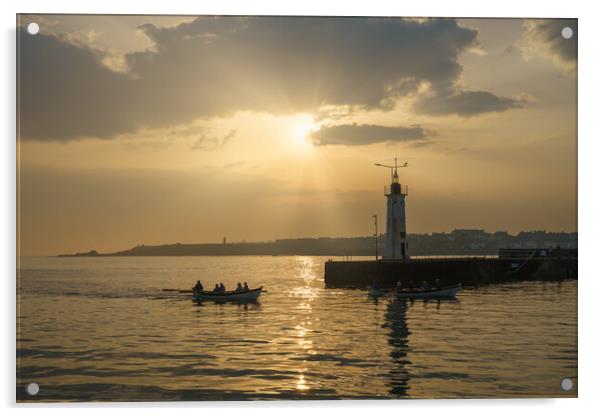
{"x":300,"y":132}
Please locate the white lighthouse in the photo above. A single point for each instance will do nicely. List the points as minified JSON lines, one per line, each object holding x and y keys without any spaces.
{"x":396,"y":244}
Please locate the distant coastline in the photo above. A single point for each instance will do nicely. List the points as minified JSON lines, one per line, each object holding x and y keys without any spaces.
{"x":457,"y":242}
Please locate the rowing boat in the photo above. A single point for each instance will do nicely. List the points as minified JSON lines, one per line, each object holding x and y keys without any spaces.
{"x":248,"y":295}
{"x":377,"y":292}
{"x":443,"y":292}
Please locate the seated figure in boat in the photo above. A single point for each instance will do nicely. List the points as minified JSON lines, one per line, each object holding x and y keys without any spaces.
{"x":222,"y":288}
{"x":411,"y":284}
{"x":437,"y":283}
{"x":198,"y":287}
{"x":245,"y":287}
{"x":424,"y":285}
{"x":398,"y":286}
{"x":216,"y":289}
{"x":239,"y":287}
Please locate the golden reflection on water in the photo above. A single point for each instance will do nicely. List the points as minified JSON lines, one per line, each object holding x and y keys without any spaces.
{"x":302,"y":383}
{"x":306,"y":270}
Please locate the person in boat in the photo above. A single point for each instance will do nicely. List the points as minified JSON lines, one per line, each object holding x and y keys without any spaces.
{"x":198,"y":287}
{"x":411,"y":284}
{"x":216,"y":289}
{"x":398,"y":286}
{"x":437,"y":283}
{"x":245,"y":287}
{"x":424,"y":285}
{"x":239,"y":287}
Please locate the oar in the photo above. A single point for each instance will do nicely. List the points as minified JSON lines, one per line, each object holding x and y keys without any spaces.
{"x":177,"y":290}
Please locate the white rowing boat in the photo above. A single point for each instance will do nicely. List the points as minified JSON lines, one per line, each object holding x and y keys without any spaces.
{"x":248,"y":295}
{"x":443,"y":292}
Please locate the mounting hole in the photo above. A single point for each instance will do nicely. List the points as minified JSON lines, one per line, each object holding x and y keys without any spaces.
{"x":566,"y":384}
{"x":566,"y":33}
{"x":33,"y":28}
{"x":32,"y":389}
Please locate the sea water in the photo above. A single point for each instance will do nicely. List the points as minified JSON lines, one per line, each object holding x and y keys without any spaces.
{"x":104,"y":329}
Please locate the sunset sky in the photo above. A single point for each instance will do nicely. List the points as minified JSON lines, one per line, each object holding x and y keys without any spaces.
{"x":150,"y":130}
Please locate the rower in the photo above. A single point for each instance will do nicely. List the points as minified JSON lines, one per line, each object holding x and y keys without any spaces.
{"x":239,"y":287}
{"x":222,"y":288}
{"x":216,"y":289}
{"x":246,"y":287}
{"x":437,"y":283}
{"x":424,"y":285}
{"x":198,"y":287}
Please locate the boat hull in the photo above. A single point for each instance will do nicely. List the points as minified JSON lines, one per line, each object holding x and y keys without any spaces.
{"x":248,"y":296}
{"x":377,"y":293}
{"x":447,"y":292}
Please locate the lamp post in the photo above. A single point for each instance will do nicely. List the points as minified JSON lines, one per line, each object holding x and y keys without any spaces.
{"x":375,"y":237}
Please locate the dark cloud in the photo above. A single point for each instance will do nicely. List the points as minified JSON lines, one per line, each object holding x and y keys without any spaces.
{"x":354,"y":134}
{"x":64,"y":92}
{"x":543,"y":37}
{"x":466,"y":103}
{"x":216,"y":66}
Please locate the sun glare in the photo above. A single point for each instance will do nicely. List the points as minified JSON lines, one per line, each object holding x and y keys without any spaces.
{"x":300,"y":132}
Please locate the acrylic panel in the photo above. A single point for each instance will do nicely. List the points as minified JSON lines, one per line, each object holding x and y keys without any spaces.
{"x":218,"y":208}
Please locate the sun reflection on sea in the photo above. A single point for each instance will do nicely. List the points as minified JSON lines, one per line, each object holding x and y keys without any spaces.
{"x":306,"y":270}
{"x":301,"y":382}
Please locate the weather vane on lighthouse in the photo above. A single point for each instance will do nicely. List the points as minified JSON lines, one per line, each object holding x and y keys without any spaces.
{"x":396,"y":244}
{"x":393,"y":168}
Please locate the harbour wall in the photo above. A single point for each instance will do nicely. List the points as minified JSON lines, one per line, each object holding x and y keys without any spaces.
{"x":449,"y":271}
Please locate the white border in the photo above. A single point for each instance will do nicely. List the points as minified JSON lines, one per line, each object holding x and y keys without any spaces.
{"x":590,"y":206}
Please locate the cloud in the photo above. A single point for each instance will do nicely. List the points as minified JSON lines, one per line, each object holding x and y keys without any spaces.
{"x":467,"y":103}
{"x":213,"y":143}
{"x":216,"y":66}
{"x":65,"y":92}
{"x":543,"y":38}
{"x":362,"y":134}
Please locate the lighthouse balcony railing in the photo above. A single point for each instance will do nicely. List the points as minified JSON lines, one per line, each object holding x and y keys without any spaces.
{"x":404,"y":190}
